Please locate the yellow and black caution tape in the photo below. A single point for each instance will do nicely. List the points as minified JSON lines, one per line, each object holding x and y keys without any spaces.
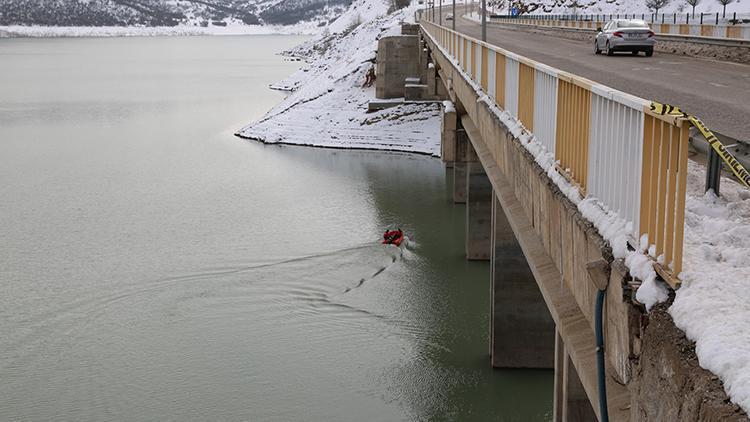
{"x":737,"y":168}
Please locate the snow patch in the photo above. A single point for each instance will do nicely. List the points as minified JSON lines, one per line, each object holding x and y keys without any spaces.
{"x":713,"y":305}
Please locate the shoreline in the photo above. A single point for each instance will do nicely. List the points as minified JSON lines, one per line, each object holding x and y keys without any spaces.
{"x":34,"y":31}
{"x":340,"y":148}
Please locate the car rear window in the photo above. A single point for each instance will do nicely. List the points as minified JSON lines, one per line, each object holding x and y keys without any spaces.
{"x":632,"y":24}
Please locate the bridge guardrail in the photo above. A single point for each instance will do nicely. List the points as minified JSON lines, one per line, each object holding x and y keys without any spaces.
{"x":684,"y":26}
{"x":608,"y":143}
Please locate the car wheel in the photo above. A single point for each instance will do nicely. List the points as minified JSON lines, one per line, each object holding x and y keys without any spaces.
{"x":596,"y":47}
{"x":610,"y":52}
{"x":649,"y":52}
{"x":635,"y":53}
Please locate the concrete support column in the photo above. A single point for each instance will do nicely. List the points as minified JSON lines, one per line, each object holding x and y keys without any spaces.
{"x":570,"y":401}
{"x":522,"y":330}
{"x":397,"y":60}
{"x":423,"y":58}
{"x":478,"y":210}
{"x":431,"y":79}
{"x":448,"y":136}
{"x":441,"y":92}
{"x":459,"y":165}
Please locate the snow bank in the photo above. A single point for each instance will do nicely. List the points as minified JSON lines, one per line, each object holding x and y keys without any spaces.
{"x":328,"y":106}
{"x":713,"y":305}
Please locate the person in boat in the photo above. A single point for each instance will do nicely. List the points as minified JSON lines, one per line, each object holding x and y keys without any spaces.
{"x":391,"y":236}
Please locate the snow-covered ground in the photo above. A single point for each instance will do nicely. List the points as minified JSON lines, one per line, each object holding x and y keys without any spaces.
{"x":328,"y":106}
{"x":713,"y":304}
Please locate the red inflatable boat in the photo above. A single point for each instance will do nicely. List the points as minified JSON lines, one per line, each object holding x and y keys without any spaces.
{"x":393,"y":237}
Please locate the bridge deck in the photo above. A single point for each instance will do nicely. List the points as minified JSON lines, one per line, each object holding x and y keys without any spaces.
{"x":570,"y":321}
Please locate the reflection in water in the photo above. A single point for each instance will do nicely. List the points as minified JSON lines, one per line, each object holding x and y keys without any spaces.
{"x":155,"y":267}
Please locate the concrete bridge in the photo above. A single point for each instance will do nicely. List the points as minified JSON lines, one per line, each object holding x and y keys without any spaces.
{"x":555,"y":283}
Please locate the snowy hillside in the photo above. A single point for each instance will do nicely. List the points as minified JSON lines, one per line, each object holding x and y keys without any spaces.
{"x":170,"y":12}
{"x":587,"y":7}
{"x":329,"y":104}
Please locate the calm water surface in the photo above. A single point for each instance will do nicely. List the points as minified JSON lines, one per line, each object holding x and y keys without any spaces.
{"x":154,"y":267}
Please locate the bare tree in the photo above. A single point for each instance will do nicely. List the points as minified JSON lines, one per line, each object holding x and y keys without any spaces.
{"x":496,"y":5}
{"x":397,"y":5}
{"x":658,"y":4}
{"x":692,"y":4}
{"x":524,"y":6}
{"x":724,"y":3}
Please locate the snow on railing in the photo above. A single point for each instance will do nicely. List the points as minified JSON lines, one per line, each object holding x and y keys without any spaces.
{"x":607,"y":143}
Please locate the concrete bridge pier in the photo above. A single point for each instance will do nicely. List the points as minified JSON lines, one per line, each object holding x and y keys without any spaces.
{"x":431,"y":80}
{"x":522,"y":331}
{"x":459,"y":165}
{"x":570,"y":401}
{"x":478,"y":209}
{"x":424,"y":58}
{"x":448,"y":137}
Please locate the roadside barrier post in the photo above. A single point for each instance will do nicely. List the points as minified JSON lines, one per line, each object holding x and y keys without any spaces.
{"x":713,"y":172}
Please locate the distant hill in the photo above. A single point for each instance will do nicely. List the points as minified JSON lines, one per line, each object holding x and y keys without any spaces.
{"x":169,"y":12}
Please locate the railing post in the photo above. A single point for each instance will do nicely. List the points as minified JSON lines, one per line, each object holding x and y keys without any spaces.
{"x":713,"y":171}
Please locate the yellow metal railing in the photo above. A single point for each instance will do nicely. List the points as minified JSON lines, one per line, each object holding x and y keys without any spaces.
{"x":663,"y":186}
{"x":573,"y":114}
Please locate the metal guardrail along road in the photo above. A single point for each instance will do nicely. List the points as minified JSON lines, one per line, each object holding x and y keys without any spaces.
{"x":675,"y":24}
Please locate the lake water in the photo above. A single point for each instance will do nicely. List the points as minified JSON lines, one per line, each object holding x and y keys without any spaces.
{"x":155,"y":267}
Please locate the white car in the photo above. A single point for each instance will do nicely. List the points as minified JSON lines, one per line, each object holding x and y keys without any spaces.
{"x":631,"y":35}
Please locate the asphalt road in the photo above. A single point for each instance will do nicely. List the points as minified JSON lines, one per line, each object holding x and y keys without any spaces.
{"x":717,"y":92}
